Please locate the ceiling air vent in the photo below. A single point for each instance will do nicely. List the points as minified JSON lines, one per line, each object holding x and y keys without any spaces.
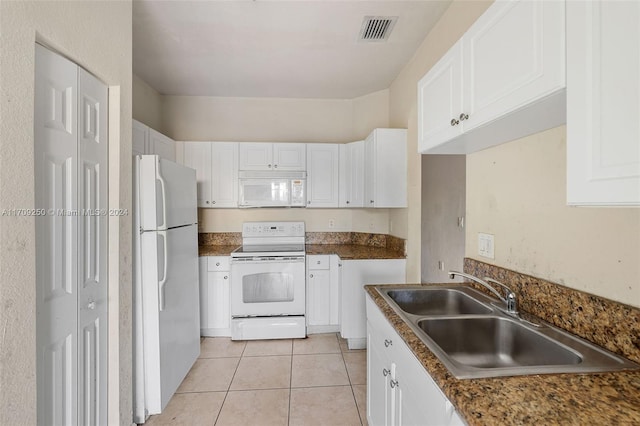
{"x":377,"y":28}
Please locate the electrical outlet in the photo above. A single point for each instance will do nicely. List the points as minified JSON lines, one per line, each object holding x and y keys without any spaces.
{"x":441,"y":265}
{"x":332,"y":223}
{"x":486,"y":245}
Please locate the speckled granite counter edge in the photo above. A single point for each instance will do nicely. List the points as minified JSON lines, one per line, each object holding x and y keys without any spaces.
{"x":347,"y":245}
{"x":562,"y":399}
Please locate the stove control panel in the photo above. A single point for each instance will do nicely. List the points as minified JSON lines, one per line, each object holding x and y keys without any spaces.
{"x":272,"y":229}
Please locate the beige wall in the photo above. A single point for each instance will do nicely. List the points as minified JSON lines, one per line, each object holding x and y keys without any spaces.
{"x":147,"y":104}
{"x":196,"y":118}
{"x":202,"y":118}
{"x":405,"y":223}
{"x":517,"y":191}
{"x":369,"y":111}
{"x":96,"y":35}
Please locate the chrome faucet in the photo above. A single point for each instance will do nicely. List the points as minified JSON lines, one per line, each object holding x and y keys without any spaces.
{"x":510,"y":301}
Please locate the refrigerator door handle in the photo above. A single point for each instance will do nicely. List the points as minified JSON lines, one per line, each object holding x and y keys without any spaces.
{"x":163,"y":281}
{"x":163,"y":191}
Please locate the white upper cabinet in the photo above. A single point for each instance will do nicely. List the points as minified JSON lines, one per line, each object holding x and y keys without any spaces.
{"x":322,"y":175}
{"x":216,"y":165}
{"x":140,"y":140}
{"x":197,"y":155}
{"x":603,"y":103}
{"x":504,"y":79}
{"x":351,"y":175}
{"x":224,"y":175}
{"x":272,"y":156}
{"x":161,"y":145}
{"x":440,"y":100}
{"x":145,"y":140}
{"x":385,"y":168}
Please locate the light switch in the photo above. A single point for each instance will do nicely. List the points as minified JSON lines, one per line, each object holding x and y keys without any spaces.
{"x":486,"y":245}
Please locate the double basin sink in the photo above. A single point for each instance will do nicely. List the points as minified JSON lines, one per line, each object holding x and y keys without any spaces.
{"x":474,"y":338}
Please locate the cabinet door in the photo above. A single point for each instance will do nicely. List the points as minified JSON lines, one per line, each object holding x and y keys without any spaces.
{"x":224,"y":174}
{"x":322,"y":175}
{"x":289,"y":156}
{"x":420,"y":400}
{"x":197,"y":155}
{"x":318,"y":297}
{"x":219,"y":315}
{"x":440,"y":100}
{"x":256,"y":156}
{"x":355,"y":275}
{"x":378,"y":390}
{"x":370,"y":175}
{"x":386,"y":168}
{"x":603,"y":103}
{"x":513,"y":55}
{"x":161,"y":145}
{"x":140,"y":139}
{"x":351,"y":175}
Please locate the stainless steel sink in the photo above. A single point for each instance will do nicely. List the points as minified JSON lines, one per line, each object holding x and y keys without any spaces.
{"x":495,"y":342}
{"x":444,"y":301}
{"x":474,"y":338}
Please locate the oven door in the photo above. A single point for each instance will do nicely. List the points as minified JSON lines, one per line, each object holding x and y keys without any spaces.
{"x":268,"y":286}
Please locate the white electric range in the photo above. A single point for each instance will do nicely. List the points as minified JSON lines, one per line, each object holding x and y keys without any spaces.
{"x":268,"y":282}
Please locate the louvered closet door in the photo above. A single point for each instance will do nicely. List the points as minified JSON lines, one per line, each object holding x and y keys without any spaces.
{"x":92,"y":249}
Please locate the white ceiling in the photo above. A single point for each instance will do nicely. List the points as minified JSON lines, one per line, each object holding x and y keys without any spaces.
{"x":289,"y":49}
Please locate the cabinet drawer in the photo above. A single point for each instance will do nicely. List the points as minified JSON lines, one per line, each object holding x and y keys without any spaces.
{"x":318,"y":262}
{"x":218,"y":263}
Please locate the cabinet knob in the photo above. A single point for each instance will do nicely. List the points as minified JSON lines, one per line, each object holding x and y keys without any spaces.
{"x":387,"y":343}
{"x":393,"y":383}
{"x":318,"y":262}
{"x":207,"y":202}
{"x":226,"y":277}
{"x":269,"y":165}
{"x":213,"y":202}
{"x":91,"y":305}
{"x":309,"y":202}
{"x":275,"y":166}
{"x":385,"y":372}
{"x":347,"y":202}
{"x":464,"y":116}
{"x":454,"y":122}
{"x":217,"y":263}
{"x":371,"y":201}
{"x":310,"y":275}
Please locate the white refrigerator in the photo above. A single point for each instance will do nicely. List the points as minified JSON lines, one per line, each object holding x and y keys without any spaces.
{"x":166,"y":290}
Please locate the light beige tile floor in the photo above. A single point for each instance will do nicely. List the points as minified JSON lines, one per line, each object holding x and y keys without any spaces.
{"x":312,"y":381}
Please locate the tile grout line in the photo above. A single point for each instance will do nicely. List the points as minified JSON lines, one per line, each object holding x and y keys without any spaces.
{"x":353,"y":393}
{"x":229,"y":386}
{"x":290,"y":384}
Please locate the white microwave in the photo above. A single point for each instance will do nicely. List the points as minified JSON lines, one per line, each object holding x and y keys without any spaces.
{"x":272,"y":189}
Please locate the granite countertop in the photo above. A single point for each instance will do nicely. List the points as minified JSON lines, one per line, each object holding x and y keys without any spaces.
{"x":562,"y":399}
{"x":216,"y":250}
{"x":344,"y":251}
{"x":354,"y":251}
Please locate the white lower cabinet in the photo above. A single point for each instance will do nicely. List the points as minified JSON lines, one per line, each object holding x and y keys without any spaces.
{"x":399,"y":389}
{"x":215,"y":313}
{"x":323,"y":294}
{"x":355,"y":275}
